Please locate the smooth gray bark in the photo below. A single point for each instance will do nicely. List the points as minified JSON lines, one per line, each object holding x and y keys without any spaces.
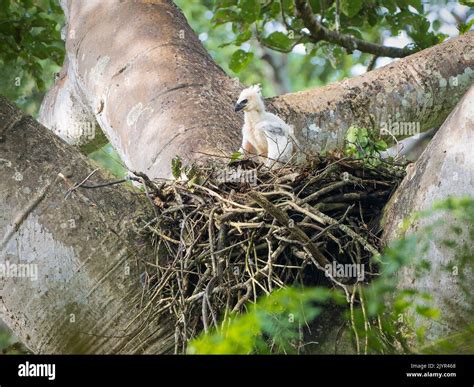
{"x":445,"y":169}
{"x":84,"y":248}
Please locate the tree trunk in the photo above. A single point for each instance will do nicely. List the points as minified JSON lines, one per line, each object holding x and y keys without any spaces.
{"x":444,"y":169}
{"x":88,"y":293}
{"x":137,"y":75}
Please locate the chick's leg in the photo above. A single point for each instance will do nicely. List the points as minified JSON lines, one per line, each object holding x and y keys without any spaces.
{"x":247,"y":148}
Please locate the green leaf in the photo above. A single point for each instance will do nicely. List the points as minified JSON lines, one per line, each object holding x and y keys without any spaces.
{"x":354,"y":31}
{"x":225,"y":3}
{"x":288,"y":6}
{"x":225,"y":15}
{"x":275,"y":9}
{"x":41,"y":51}
{"x":372,"y":17}
{"x":381,"y":145}
{"x":42,"y":21}
{"x":417,"y":4}
{"x":465,"y":27}
{"x":239,"y":60}
{"x":4,"y":5}
{"x":40,"y":84}
{"x":278,"y":40}
{"x":390,"y":5}
{"x":428,"y":312}
{"x":351,"y":7}
{"x":249,"y":10}
{"x":243,"y":37}
{"x":235,"y":156}
{"x":316,"y":5}
{"x":176,"y":166}
{"x":402,"y":4}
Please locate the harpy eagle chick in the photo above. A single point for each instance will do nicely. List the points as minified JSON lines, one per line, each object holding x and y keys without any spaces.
{"x":264,"y":133}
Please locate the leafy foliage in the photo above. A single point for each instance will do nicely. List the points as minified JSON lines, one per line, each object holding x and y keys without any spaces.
{"x":239,"y":60}
{"x":279,"y":53}
{"x":190,"y":173}
{"x":276,"y":24}
{"x":362,"y":144}
{"x":465,"y":27}
{"x":276,"y":316}
{"x":31,"y":49}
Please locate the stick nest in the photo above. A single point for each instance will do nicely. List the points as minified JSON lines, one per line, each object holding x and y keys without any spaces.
{"x":237,"y":231}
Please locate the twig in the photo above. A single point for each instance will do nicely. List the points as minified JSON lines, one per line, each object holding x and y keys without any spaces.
{"x":294,"y":230}
{"x":72,"y":189}
{"x":103,"y":184}
{"x":318,"y":216}
{"x":372,"y":63}
{"x":354,"y":328}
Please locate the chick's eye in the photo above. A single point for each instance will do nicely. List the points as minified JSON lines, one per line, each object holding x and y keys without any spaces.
{"x":245,"y":101}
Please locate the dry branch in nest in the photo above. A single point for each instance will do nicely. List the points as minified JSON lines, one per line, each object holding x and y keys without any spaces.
{"x":238,"y":231}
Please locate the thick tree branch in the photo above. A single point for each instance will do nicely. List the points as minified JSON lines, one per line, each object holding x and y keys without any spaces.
{"x":138,"y":92}
{"x":445,"y":169}
{"x":320,"y":33}
{"x":412,"y":94}
{"x":87,"y":256}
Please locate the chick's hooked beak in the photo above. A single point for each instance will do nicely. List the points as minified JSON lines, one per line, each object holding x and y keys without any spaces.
{"x":240,"y":105}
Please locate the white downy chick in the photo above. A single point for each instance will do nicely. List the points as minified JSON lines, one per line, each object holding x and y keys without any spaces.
{"x":264,"y":133}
